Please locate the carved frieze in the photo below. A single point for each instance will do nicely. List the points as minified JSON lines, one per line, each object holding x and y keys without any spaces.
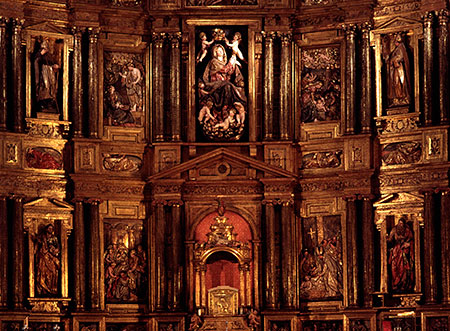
{"x":401,"y":153}
{"x":335,"y":185}
{"x":322,"y":160}
{"x":396,"y":8}
{"x":47,"y":129}
{"x":126,"y":3}
{"x":31,"y":185}
{"x":110,"y":188}
{"x":432,"y":176}
{"x":397,"y":123}
{"x":222,"y":189}
{"x":121,"y":163}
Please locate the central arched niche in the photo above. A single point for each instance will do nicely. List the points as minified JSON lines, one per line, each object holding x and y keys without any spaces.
{"x":223,"y":263}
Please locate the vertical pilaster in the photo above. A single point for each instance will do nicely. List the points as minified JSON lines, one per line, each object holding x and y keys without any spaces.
{"x":80,"y":255}
{"x":368,"y":250}
{"x":18,"y":253}
{"x":287,"y":259}
{"x":17,"y":79}
{"x":443,"y":66}
{"x":268,"y":86}
{"x":77,"y":90}
{"x":161,"y":285}
{"x":271,"y":286}
{"x":93,"y":82}
{"x":94,"y":256}
{"x":175,"y":72}
{"x":366,"y":79}
{"x":428,"y":68}
{"x":3,"y":75}
{"x":352,"y":255}
{"x":158,"y":86}
{"x":3,"y":252}
{"x":429,"y":262}
{"x":445,"y":245}
{"x":177,"y":249}
{"x":350,"y":78}
{"x":254,"y":123}
{"x":285,"y":84}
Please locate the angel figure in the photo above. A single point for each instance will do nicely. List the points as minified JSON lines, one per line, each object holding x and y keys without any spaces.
{"x":234,"y":45}
{"x":205,"y":45}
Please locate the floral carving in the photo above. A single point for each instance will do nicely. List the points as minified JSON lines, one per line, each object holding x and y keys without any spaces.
{"x":126,"y":3}
{"x":199,"y":3}
{"x":121,"y":163}
{"x":401,"y":153}
{"x":320,"y":84}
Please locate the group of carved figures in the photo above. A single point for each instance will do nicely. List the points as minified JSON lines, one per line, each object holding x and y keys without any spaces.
{"x":125,"y":272}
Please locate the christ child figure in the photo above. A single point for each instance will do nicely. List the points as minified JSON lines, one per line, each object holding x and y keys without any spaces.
{"x":205,"y":45}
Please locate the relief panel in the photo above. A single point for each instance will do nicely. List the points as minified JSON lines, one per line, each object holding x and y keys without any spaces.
{"x":322,"y":325}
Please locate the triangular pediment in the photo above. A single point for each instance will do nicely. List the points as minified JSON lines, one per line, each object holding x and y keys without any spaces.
{"x":223,"y":164}
{"x":47,"y":27}
{"x":398,"y":22}
{"x":399,"y":198}
{"x":48,"y":204}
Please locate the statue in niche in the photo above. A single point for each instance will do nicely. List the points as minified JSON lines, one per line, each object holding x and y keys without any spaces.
{"x":48,"y":262}
{"x":397,"y":70}
{"x":46,"y":71}
{"x":221,"y":87}
{"x":401,"y":257}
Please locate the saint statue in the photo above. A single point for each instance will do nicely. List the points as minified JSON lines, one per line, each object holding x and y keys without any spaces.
{"x":48,"y":262}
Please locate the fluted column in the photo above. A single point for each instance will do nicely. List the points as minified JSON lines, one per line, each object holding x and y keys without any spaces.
{"x":285,"y":84}
{"x":268,"y":86}
{"x":445,"y":245}
{"x":94,"y":256}
{"x":443,"y":66}
{"x":429,"y":262}
{"x":17,"y":79}
{"x":175,"y":72}
{"x":80,"y":255}
{"x":3,"y":251}
{"x":350,"y":78}
{"x":287,"y":260}
{"x":3,"y":75}
{"x":271,"y":285}
{"x":93,"y":82}
{"x":368,"y":250}
{"x":352,"y":255}
{"x":161,"y":285}
{"x":18,"y":253}
{"x":366,"y":80}
{"x":158,"y":87}
{"x":428,"y":68}
{"x":77,"y":90}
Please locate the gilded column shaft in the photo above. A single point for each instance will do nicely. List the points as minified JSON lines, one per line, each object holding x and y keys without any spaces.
{"x":366,"y":80}
{"x":160,"y":257}
{"x":80,"y":255}
{"x":3,"y":252}
{"x":350,"y":75}
{"x":77,"y":91}
{"x":284,"y":86}
{"x":428,"y":68}
{"x":430,"y":290}
{"x":3,"y":75}
{"x":445,"y":245}
{"x":93,"y":83}
{"x":352,"y":257}
{"x":158,"y":91}
{"x":175,"y":85}
{"x":177,"y":250}
{"x":94,"y":256}
{"x":287,"y":261}
{"x":17,"y":75}
{"x":443,"y":66}
{"x":271,"y":279}
{"x":368,"y":250}
{"x":268,"y":87}
{"x":18,"y":253}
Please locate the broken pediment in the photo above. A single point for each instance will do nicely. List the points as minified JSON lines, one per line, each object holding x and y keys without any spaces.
{"x":222,"y":164}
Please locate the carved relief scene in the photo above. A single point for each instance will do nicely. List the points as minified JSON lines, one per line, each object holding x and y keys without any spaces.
{"x":125,"y":261}
{"x":222,"y":81}
{"x":320,"y":84}
{"x":124,"y":89}
{"x":321,"y":260}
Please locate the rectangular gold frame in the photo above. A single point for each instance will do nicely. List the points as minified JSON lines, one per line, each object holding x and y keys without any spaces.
{"x":292,"y":319}
{"x":116,"y":43}
{"x":254,"y":26}
{"x":169,"y":319}
{"x":88,"y":319}
{"x":68,"y":46}
{"x":424,"y":316}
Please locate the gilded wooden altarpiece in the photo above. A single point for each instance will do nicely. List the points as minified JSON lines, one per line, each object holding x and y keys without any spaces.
{"x":124,"y":82}
{"x":229,"y":45}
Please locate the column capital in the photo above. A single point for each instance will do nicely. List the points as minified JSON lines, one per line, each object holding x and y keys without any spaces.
{"x":94,"y":201}
{"x":428,"y":18}
{"x":442,"y":16}
{"x":353,"y":197}
{"x":286,"y":37}
{"x":349,"y":29}
{"x":174,"y":38}
{"x":93,"y":34}
{"x":3,"y":21}
{"x":269,"y":36}
{"x":76,"y":31}
{"x":17,"y":23}
{"x":170,"y":203}
{"x":158,"y":38}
